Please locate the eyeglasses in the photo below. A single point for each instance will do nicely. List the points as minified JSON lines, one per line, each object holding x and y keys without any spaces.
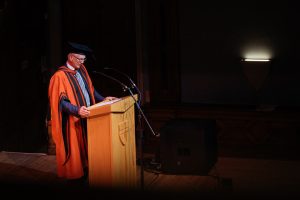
{"x":80,"y":59}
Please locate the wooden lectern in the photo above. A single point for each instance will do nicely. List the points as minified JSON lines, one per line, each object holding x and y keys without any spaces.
{"x":111,"y":144}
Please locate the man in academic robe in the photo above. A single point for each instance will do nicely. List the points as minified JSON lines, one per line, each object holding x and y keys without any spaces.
{"x":70,"y":93}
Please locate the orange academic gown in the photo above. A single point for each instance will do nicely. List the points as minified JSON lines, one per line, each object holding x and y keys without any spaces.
{"x":69,"y":131}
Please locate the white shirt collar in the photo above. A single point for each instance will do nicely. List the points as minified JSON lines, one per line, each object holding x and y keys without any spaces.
{"x":70,"y":66}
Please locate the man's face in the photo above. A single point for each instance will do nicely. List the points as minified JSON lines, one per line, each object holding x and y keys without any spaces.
{"x":76,"y":60}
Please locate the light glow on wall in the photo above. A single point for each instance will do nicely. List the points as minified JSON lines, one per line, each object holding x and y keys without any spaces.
{"x":257,"y":51}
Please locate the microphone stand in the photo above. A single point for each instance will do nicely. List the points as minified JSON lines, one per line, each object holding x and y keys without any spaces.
{"x":141,"y":114}
{"x":131,"y":81}
{"x":141,"y":134}
{"x":139,"y":127}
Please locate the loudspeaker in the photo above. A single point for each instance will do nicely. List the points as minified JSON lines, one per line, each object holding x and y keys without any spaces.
{"x":188,"y":146}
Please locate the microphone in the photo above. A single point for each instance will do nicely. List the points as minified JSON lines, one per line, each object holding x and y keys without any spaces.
{"x":133,"y":85}
{"x":122,"y":73}
{"x":125,"y":87}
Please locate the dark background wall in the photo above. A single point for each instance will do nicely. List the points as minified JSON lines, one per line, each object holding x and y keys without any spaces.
{"x":214,"y":39}
{"x":33,"y":39}
{"x":24,"y":70}
{"x":180,"y":53}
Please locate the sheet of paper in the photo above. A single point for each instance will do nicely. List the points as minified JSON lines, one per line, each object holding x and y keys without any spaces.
{"x":106,"y":102}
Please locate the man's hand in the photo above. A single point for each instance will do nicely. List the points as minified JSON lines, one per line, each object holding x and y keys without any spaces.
{"x":83,"y":112}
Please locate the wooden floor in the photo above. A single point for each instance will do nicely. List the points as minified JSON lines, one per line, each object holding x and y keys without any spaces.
{"x":229,"y":176}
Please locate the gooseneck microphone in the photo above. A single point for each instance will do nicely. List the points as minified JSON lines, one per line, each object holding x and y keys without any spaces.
{"x":122,"y":73}
{"x":125,"y":87}
{"x":133,"y":85}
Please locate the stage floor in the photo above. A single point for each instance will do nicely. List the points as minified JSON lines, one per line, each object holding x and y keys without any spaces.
{"x":228,"y":176}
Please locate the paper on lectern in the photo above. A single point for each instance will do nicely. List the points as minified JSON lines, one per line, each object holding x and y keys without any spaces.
{"x":105,"y":103}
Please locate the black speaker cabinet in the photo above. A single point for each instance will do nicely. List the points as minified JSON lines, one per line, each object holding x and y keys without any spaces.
{"x":188,"y":146}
